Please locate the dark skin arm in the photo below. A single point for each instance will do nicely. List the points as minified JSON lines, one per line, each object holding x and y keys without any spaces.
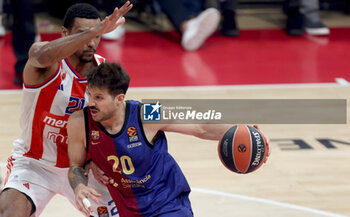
{"x":44,"y":56}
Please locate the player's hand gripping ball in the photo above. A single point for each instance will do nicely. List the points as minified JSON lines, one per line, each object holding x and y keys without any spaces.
{"x":243,"y":149}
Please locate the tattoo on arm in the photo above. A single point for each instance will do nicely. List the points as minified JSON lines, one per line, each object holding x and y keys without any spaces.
{"x":76,"y":176}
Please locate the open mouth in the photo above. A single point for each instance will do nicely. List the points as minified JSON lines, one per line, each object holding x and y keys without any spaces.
{"x":94,"y":111}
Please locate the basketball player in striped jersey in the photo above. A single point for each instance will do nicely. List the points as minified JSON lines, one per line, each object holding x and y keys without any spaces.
{"x":54,"y":87}
{"x":144,"y":180}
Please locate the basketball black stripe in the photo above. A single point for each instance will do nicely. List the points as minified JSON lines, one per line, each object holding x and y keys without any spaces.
{"x":258,"y":149}
{"x":226,"y":151}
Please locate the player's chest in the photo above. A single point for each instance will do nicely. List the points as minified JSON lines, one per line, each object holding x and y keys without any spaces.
{"x":70,"y":95}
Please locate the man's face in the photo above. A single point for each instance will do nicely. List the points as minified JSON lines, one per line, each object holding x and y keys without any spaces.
{"x":86,"y":53}
{"x":102,"y":104}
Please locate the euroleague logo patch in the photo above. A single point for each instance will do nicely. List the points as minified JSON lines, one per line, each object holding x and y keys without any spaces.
{"x":242,"y":148}
{"x":102,"y":211}
{"x":132,"y":134}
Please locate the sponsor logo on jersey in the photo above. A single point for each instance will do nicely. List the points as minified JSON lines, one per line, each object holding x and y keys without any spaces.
{"x":133,"y":145}
{"x":130,"y":183}
{"x":55,"y":121}
{"x":59,"y":122}
{"x":57,"y":137}
{"x":132,"y":134}
{"x":151,"y":111}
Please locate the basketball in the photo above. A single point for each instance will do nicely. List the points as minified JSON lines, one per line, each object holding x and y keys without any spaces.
{"x":243,"y":149}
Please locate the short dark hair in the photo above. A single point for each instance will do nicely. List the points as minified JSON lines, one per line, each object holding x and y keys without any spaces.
{"x":110,"y":76}
{"x":80,"y":10}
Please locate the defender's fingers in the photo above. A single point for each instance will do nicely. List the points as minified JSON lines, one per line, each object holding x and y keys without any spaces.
{"x":123,"y":10}
{"x":126,"y":7}
{"x":120,"y":21}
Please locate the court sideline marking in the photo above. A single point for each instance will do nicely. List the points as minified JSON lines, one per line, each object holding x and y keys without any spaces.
{"x":271,"y":202}
{"x":255,"y":199}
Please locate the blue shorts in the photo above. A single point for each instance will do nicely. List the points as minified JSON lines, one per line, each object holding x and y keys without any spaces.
{"x":184,"y":212}
{"x":180,"y":207}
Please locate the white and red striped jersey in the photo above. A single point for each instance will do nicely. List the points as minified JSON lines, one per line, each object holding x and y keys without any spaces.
{"x":45,"y":110}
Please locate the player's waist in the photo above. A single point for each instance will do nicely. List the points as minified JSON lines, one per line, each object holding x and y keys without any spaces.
{"x":55,"y":159}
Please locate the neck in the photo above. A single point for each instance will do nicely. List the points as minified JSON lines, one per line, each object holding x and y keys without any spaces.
{"x":80,"y":67}
{"x":114,"y":124}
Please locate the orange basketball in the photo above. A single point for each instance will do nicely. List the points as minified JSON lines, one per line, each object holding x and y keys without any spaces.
{"x":243,"y":149}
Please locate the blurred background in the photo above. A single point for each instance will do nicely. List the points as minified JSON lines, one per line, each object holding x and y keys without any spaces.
{"x":280,"y":38}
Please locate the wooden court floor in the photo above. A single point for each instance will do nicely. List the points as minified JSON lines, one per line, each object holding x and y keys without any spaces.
{"x":310,"y":182}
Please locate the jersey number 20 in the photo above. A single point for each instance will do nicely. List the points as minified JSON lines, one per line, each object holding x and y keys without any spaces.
{"x":125,"y":162}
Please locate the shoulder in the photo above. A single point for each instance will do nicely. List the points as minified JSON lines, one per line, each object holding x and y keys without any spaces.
{"x":76,"y":124}
{"x":35,"y":72}
{"x":36,"y":48}
{"x":76,"y":118}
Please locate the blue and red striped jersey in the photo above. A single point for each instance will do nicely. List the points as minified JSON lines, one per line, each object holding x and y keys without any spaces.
{"x":145,"y":180}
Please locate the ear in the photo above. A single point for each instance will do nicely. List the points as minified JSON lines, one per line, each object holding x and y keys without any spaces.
{"x":120,"y":98}
{"x":64,"y":31}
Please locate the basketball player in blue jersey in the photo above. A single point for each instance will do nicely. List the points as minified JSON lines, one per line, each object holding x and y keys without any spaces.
{"x":144,"y":180}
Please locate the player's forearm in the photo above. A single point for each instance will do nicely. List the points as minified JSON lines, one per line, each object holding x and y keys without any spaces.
{"x":76,"y":176}
{"x":43,"y":55}
{"x":212,"y":131}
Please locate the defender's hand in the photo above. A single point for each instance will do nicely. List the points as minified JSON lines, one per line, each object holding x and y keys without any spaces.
{"x":114,"y":20}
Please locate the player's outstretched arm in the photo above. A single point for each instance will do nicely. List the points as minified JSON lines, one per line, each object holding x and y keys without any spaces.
{"x":77,"y":157}
{"x":44,"y":56}
{"x":203,"y":131}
